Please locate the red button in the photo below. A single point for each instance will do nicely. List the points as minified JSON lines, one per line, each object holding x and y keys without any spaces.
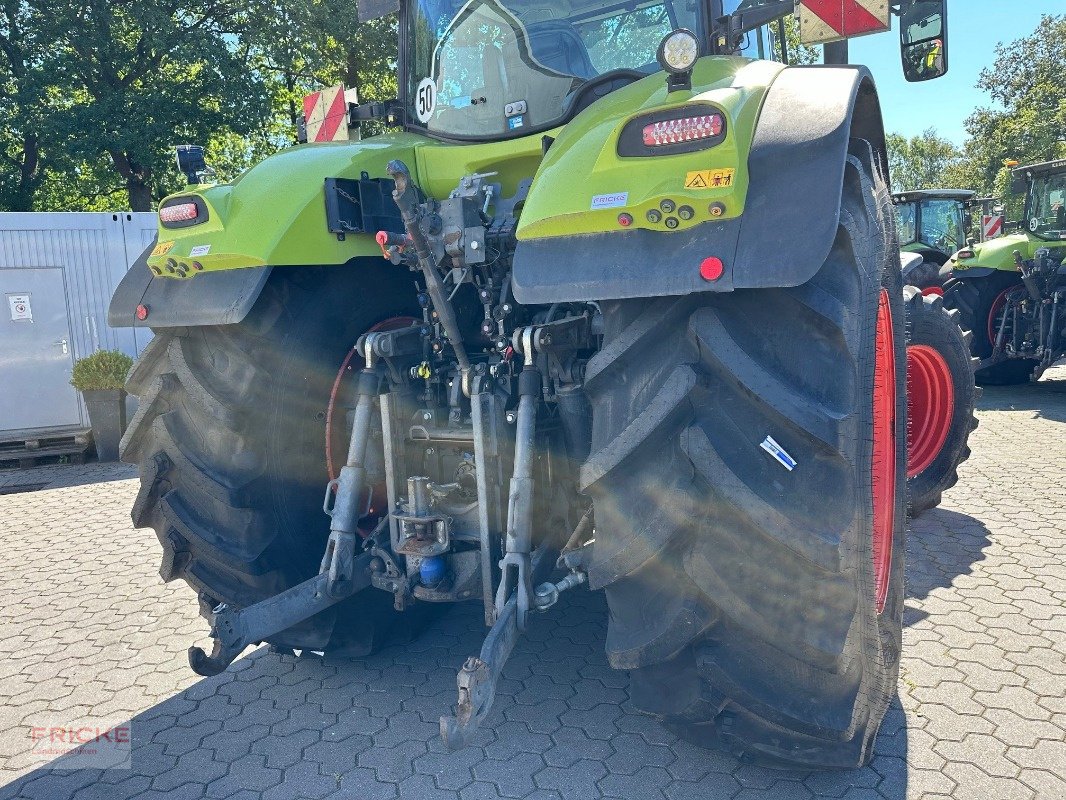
{"x":711,"y":269}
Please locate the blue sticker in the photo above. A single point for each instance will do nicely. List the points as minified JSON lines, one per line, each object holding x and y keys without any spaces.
{"x":516,"y":122}
{"x":777,"y":451}
{"x":460,"y":102}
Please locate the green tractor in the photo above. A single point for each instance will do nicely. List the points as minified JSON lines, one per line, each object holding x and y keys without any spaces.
{"x":932,"y":223}
{"x":1011,"y":291}
{"x":936,"y":224}
{"x":612,"y":298}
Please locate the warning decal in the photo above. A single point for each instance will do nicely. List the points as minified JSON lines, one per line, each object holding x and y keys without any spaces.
{"x":20,"y":307}
{"x":162,"y":248}
{"x":326,"y":115}
{"x":991,"y":226}
{"x":710,"y":179}
{"x":829,"y":20}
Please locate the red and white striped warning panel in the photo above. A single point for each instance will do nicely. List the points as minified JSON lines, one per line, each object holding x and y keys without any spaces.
{"x":326,"y":115}
{"x":991,"y":225}
{"x":829,"y":20}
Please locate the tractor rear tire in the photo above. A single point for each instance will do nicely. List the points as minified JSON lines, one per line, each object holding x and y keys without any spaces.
{"x":976,"y":302}
{"x":757,"y":598}
{"x":940,"y":399}
{"x":229,"y":437}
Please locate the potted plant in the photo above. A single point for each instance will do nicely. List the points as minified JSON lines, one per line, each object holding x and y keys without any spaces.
{"x":100,"y":378}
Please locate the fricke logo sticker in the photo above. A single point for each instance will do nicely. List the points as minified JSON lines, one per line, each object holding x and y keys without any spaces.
{"x":613,"y":200}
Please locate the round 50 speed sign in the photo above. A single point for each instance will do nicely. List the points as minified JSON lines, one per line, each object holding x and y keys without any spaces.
{"x":425,"y":99}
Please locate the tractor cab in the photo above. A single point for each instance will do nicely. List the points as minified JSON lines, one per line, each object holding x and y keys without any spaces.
{"x":478,"y":70}
{"x":933,"y":222}
{"x":1045,"y":198}
{"x":1042,"y":226}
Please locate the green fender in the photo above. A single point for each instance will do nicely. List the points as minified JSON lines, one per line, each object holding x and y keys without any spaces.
{"x":998,"y":253}
{"x":791,"y":128}
{"x":274,"y":214}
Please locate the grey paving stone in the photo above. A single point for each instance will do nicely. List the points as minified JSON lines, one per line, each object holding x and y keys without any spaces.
{"x":981,"y":710}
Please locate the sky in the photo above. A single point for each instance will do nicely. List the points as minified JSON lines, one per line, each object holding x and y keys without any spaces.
{"x":945,"y":103}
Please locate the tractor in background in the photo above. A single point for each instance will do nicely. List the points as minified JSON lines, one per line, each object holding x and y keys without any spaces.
{"x":934,"y":223}
{"x":1011,"y":291}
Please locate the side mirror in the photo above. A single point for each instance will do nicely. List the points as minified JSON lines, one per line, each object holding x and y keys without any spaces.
{"x":191,"y":162}
{"x":923,"y":39}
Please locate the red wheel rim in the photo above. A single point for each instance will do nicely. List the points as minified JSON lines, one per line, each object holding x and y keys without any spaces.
{"x":930,"y":406}
{"x":883,"y":466}
{"x":352,"y":362}
{"x":993,"y":312}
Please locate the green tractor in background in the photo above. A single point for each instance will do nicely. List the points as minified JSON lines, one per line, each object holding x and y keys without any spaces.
{"x":612,"y":297}
{"x":933,"y":223}
{"x":1011,"y":291}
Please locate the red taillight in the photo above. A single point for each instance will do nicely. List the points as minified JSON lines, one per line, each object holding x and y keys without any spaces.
{"x":965,"y":253}
{"x":686,"y":129}
{"x":142,"y":312}
{"x":711,"y":268}
{"x":179,"y":212}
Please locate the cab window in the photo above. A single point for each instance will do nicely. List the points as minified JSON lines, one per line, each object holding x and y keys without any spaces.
{"x":941,"y":226}
{"x":905,"y":215}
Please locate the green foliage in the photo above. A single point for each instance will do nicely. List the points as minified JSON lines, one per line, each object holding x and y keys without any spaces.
{"x":95,"y":94}
{"x":298,"y":46}
{"x":1027,"y":123}
{"x":26,"y":102}
{"x":920,"y":162}
{"x":798,"y":53}
{"x":1027,"y":81}
{"x":104,"y":369}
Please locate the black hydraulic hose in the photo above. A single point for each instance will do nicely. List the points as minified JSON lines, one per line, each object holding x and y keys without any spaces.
{"x":1050,"y":344}
{"x":1027,"y":277}
{"x":406,"y":198}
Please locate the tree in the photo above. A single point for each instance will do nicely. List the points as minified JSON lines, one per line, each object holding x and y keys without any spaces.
{"x":299,"y":46}
{"x":26,"y":103}
{"x":140,"y":77}
{"x":921,"y":162}
{"x":1027,"y":81}
{"x":798,"y":53}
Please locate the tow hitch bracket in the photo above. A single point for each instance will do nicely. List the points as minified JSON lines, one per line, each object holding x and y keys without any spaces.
{"x":234,"y":630}
{"x":341,"y":574}
{"x":477,"y":679}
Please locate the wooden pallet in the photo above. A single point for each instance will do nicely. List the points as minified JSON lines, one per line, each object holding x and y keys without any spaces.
{"x":38,"y":450}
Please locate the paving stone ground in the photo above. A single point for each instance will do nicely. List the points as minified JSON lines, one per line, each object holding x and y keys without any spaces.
{"x":87,"y":630}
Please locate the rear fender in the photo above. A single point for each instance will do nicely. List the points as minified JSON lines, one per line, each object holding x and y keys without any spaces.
{"x":973,"y":273}
{"x":791,"y":210}
{"x":213,"y":298}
